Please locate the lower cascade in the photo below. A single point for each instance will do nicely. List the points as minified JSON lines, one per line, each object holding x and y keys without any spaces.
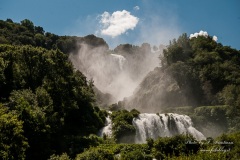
{"x":107,"y":130}
{"x":150,"y":125}
{"x":163,"y":125}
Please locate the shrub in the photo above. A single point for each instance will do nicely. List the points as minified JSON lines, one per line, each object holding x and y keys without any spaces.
{"x":96,"y":154}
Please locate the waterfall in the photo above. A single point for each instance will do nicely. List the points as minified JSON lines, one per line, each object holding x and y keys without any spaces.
{"x":107,"y":130}
{"x":150,"y":125}
{"x":163,"y":125}
{"x":119,"y":59}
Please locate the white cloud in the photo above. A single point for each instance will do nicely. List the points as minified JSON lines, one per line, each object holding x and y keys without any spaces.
{"x":136,"y":8}
{"x":202,"y":33}
{"x":117,"y":23}
{"x":215,"y":38}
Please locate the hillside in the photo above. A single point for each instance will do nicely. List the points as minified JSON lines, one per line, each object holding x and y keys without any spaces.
{"x":195,"y":72}
{"x":198,"y":71}
{"x":46,"y":106}
{"x":25,"y":33}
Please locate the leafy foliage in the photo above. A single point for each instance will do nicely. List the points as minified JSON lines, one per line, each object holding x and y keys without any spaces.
{"x":174,"y":146}
{"x":13,"y":143}
{"x":123,"y":129}
{"x":55,"y":102}
{"x":26,"y":33}
{"x":203,"y":67}
{"x":207,"y":73}
{"x":178,"y":147}
{"x":96,"y":154}
{"x":64,"y":156}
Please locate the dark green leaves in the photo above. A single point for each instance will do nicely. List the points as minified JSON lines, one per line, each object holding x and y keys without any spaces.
{"x":13,"y":143}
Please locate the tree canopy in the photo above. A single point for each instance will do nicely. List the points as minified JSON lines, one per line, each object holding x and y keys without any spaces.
{"x":47,"y":104}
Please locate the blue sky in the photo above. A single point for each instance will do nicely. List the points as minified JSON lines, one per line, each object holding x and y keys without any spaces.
{"x":131,"y":21}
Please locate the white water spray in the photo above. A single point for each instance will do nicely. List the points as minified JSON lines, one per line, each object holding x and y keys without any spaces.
{"x":117,"y":74}
{"x":149,"y":125}
{"x":119,"y":59}
{"x":107,"y":130}
{"x":163,"y":125}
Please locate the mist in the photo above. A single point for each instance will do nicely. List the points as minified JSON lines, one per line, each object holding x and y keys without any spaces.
{"x":117,"y":72}
{"x":121,"y":70}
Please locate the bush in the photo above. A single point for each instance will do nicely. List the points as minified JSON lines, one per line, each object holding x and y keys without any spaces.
{"x":13,"y":143}
{"x":231,"y":143}
{"x":64,"y":156}
{"x":123,"y":129}
{"x":96,"y":154}
{"x":133,"y":155}
{"x":175,"y":146}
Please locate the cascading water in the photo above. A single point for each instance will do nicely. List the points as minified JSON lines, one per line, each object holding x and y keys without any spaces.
{"x":107,"y":130}
{"x":163,"y":125}
{"x":150,"y":125}
{"x":117,"y":72}
{"x":119,"y":59}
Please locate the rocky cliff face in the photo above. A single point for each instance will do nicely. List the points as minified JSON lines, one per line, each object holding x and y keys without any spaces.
{"x":157,"y":91}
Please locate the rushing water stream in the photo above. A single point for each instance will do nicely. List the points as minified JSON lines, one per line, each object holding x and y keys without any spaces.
{"x":150,"y":125}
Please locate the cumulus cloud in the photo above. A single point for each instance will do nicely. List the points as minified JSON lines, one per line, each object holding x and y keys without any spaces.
{"x":117,"y":23}
{"x":215,"y":38}
{"x":202,"y":33}
{"x":136,"y":8}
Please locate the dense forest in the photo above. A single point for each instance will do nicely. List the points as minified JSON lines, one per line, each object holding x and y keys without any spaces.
{"x":47,"y":107}
{"x":50,"y":110}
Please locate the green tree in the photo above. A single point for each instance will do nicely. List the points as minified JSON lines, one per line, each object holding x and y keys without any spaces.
{"x":123,"y":129}
{"x":38,"y":30}
{"x":13,"y":143}
{"x":35,"y":126}
{"x":133,"y":155}
{"x":178,"y":50}
{"x":9,"y":20}
{"x":28,"y":24}
{"x":40,"y":39}
{"x":96,"y":154}
{"x":175,"y":146}
{"x":64,"y":156}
